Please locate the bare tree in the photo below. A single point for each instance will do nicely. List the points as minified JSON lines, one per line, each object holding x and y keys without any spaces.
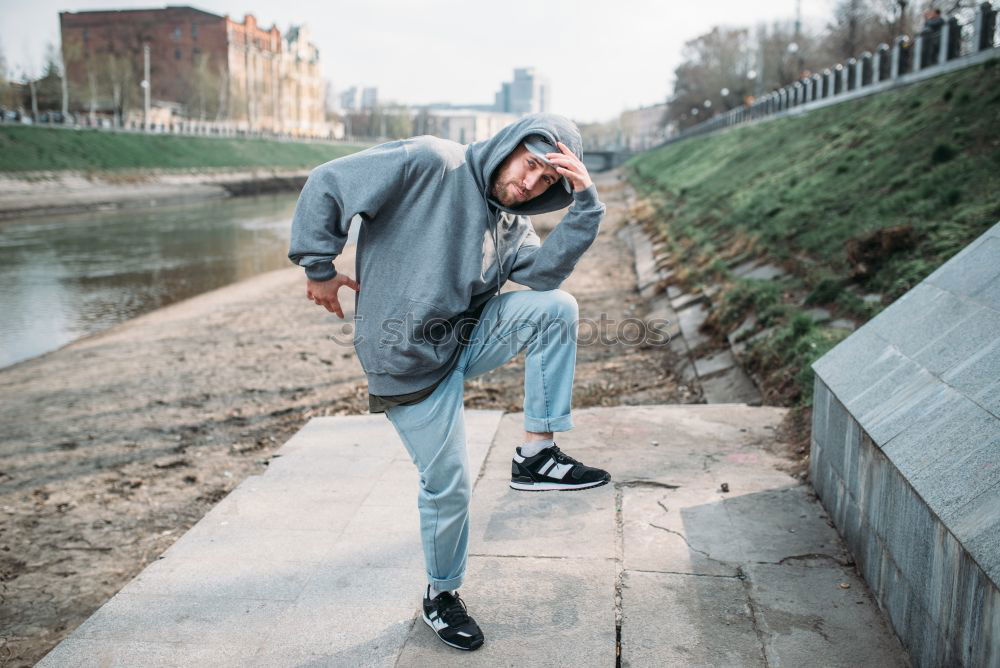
{"x":203,"y":98}
{"x":50,"y":89}
{"x":861,"y":25}
{"x":222,"y":109}
{"x":6,"y":92}
{"x":712,"y":77}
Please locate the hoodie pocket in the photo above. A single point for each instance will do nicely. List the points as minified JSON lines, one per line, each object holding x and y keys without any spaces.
{"x":420,"y":340}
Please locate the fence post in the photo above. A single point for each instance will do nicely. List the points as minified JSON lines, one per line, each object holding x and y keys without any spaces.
{"x":864,"y":73}
{"x":880,"y":66}
{"x":985,"y":26}
{"x":951,"y":41}
{"x":920,"y":61}
{"x":900,"y":56}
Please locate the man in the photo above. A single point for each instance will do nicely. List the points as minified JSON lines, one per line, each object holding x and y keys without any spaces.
{"x":443,"y":227}
{"x":933,"y":23}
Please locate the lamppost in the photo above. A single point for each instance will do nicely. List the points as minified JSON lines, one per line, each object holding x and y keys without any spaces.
{"x":793,"y":49}
{"x":755,"y":82}
{"x":145,"y":87}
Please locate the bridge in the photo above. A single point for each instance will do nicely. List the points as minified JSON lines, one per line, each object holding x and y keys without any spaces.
{"x":601,"y":161}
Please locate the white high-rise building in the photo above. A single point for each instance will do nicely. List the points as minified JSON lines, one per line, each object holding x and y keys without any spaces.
{"x":359,"y":99}
{"x":528,"y":93}
{"x":350,"y":99}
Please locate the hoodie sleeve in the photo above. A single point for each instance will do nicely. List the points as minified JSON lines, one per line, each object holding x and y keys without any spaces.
{"x":335,"y":192}
{"x":544,"y":266}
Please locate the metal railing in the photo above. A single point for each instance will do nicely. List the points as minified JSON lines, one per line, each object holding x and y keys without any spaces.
{"x":186,"y":128}
{"x":933,"y":52}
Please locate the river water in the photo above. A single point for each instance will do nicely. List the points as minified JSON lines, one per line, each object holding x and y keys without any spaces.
{"x":64,"y":277}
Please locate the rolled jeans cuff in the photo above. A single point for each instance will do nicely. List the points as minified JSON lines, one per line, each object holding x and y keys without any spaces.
{"x":543,"y":425}
{"x":447,"y":585}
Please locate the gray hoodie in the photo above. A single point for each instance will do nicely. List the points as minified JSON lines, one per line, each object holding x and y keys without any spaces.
{"x":434,"y":246}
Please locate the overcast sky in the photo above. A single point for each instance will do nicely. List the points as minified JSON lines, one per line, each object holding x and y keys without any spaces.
{"x":598,"y":61}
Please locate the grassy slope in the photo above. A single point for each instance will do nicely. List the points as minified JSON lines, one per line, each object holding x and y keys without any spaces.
{"x":26,"y":148}
{"x":796,"y":190}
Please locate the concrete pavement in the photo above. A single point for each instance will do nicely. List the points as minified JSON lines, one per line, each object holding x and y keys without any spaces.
{"x":317,"y":562}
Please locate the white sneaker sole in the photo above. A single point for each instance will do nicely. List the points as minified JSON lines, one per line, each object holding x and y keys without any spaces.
{"x":552,"y":486}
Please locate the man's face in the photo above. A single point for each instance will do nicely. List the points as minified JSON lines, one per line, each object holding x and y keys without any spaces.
{"x":520,"y":177}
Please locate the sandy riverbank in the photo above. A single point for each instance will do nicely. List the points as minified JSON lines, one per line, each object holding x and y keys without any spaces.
{"x":42,"y":193}
{"x":114,"y":445}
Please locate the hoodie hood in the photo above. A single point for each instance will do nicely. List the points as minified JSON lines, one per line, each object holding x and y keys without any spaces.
{"x":485,"y":156}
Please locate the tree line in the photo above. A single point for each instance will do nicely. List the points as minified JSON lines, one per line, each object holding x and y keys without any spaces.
{"x":728,"y":67}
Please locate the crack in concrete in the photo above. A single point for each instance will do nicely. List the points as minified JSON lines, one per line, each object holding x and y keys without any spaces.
{"x":406,"y":641}
{"x":619,"y":571}
{"x":747,"y":586}
{"x":781,"y":562}
{"x":535,"y":556}
{"x":686,"y":542}
{"x":812,"y":555}
{"x":645,"y":483}
{"x":734,"y":576}
{"x":660,"y":504}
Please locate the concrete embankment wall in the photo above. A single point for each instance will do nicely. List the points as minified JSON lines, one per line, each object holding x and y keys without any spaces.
{"x":40,"y":193}
{"x":906,"y":457}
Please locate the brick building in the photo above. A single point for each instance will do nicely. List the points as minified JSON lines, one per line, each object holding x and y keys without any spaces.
{"x":203,"y":67}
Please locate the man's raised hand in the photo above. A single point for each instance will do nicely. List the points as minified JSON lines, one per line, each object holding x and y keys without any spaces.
{"x":570,"y":166}
{"x":324,"y":293}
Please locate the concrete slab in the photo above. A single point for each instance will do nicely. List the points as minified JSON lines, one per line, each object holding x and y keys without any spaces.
{"x":776,"y":525}
{"x":317,"y":632}
{"x":764,"y":272}
{"x":806,"y":612}
{"x":191,"y":618}
{"x":690,"y":320}
{"x":748,"y":324}
{"x":842,"y":323}
{"x":684,"y":301}
{"x":86,"y":653}
{"x":713,"y":364}
{"x":733,"y":386}
{"x":679,"y":620}
{"x":262,"y":579}
{"x":819,"y":314}
{"x":536,"y":612}
{"x":654,"y":532}
{"x":509,"y":522}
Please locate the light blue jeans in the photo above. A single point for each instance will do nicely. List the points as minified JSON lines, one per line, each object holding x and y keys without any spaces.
{"x":545,"y":323}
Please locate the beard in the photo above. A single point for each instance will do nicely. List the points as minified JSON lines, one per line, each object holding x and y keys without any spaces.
{"x":501,"y":192}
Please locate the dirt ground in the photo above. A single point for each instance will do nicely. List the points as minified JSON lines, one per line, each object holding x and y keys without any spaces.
{"x":115,"y":445}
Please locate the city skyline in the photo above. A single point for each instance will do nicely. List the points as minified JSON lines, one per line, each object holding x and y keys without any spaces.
{"x":598,"y":64}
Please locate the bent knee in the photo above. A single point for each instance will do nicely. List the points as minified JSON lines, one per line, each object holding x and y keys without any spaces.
{"x":561,"y":304}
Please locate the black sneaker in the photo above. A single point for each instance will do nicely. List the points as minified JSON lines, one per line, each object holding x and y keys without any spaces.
{"x":446,"y":614}
{"x":552,"y":469}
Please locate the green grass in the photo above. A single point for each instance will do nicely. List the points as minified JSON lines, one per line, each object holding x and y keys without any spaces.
{"x":796,"y":190}
{"x":26,"y":148}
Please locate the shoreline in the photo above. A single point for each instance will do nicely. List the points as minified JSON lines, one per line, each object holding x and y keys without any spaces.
{"x":29,"y":194}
